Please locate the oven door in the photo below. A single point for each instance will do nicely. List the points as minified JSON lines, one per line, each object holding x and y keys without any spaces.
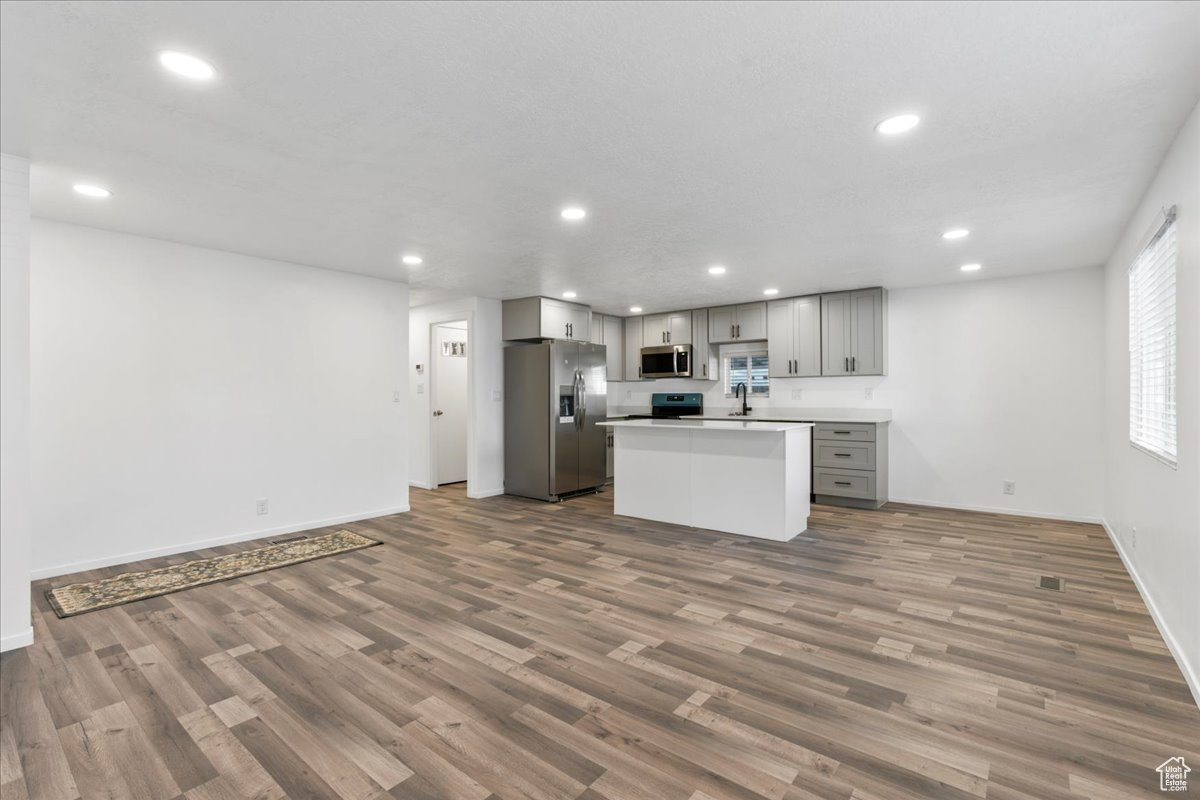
{"x":670,"y":361}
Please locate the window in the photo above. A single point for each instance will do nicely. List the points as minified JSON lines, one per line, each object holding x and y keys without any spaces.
{"x":1152,"y":424}
{"x":748,"y":366}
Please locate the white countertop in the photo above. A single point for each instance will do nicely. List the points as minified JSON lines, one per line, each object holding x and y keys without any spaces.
{"x":708,"y":424}
{"x":872,"y":415}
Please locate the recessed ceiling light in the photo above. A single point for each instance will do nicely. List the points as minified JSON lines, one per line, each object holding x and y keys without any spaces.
{"x":971,"y":267}
{"x":570,"y":295}
{"x":898,"y":124}
{"x":635,"y":309}
{"x":717,"y":270}
{"x":956,"y":233}
{"x":90,"y":190}
{"x":573,"y":213}
{"x":412,"y":260}
{"x":770,"y":292}
{"x":187,"y":66}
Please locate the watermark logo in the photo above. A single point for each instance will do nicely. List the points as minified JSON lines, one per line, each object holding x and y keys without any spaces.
{"x":1172,"y":775}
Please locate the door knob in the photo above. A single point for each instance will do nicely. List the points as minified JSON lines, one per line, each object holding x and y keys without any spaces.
{"x":438,"y":413}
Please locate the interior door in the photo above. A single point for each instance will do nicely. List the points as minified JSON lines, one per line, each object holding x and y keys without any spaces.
{"x":835,"y":333}
{"x":565,"y":381}
{"x":450,"y":402}
{"x":780,"y":338}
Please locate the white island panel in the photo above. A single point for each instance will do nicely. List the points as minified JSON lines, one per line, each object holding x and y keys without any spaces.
{"x":748,"y":478}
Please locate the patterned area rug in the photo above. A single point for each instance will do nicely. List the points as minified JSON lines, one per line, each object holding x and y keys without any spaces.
{"x":79,"y":598}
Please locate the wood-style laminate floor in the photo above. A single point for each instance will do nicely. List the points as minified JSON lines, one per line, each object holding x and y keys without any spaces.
{"x":505,"y":648}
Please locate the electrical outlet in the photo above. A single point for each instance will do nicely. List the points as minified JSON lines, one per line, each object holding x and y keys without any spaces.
{"x":1010,"y":487}
{"x":261,"y":505}
{"x":796,"y":393}
{"x":396,"y":396}
{"x":496,"y":395}
{"x":628,"y":394}
{"x":420,"y":388}
{"x":868,"y":392}
{"x":1133,"y":537}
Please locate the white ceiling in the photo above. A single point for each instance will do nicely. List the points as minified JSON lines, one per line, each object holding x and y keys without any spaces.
{"x":342,"y":134}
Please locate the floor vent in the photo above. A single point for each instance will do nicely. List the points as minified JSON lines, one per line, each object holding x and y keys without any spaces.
{"x":300,"y":538}
{"x":1047,"y":582}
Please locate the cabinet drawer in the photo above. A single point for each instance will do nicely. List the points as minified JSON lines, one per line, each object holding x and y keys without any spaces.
{"x":845,"y":431}
{"x":844,"y":455}
{"x":844,"y":483}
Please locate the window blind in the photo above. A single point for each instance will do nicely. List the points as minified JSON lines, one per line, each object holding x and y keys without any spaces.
{"x":750,"y":369}
{"x":1152,"y":347}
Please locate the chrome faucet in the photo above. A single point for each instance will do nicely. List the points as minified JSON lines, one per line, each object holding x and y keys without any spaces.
{"x":741,"y":387}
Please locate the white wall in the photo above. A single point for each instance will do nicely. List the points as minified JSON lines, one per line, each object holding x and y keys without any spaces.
{"x":1161,"y":502}
{"x":988,"y":381}
{"x":15,"y":513}
{"x":173,"y":385}
{"x":485,"y":429}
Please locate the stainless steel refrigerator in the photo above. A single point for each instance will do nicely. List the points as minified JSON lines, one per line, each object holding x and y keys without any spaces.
{"x":555,"y":393}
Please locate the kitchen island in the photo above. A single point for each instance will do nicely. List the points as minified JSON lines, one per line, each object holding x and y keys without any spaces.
{"x":748,"y":478}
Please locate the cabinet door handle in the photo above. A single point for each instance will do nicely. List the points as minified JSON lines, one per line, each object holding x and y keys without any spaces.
{"x":842,"y":455}
{"x":854,"y":363}
{"x":739,"y":327}
{"x":847,"y":363}
{"x":842,"y":433}
{"x":705,"y":370}
{"x":730,"y":331}
{"x":842,"y":483}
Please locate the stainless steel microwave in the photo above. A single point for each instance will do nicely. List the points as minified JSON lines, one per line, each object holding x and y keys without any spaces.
{"x":667,"y":361}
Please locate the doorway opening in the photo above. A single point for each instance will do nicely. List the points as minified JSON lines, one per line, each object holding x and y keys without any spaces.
{"x":449,"y":392}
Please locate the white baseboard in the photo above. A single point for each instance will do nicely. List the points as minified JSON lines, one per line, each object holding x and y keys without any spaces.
{"x":184,"y":547}
{"x":1013,"y":512}
{"x":485,"y":493}
{"x":1189,"y":670}
{"x":15,"y":640}
{"x":420,"y":485}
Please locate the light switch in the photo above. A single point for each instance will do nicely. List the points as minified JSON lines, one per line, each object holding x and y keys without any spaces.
{"x":396,"y":396}
{"x":420,"y":388}
{"x":496,"y":395}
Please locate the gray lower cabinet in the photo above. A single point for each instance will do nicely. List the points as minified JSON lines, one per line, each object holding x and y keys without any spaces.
{"x":850,"y":463}
{"x":854,"y":332}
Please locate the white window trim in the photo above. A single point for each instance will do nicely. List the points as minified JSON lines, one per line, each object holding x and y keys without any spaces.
{"x":739,"y":349}
{"x":1162,"y":456}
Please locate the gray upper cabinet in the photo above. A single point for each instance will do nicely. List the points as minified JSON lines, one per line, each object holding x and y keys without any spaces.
{"x":633,"y":349}
{"x":660,"y":329}
{"x":536,"y":318}
{"x":854,"y":333}
{"x":744,"y":323}
{"x":704,"y":365}
{"x":610,"y":332}
{"x":794,"y":337}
